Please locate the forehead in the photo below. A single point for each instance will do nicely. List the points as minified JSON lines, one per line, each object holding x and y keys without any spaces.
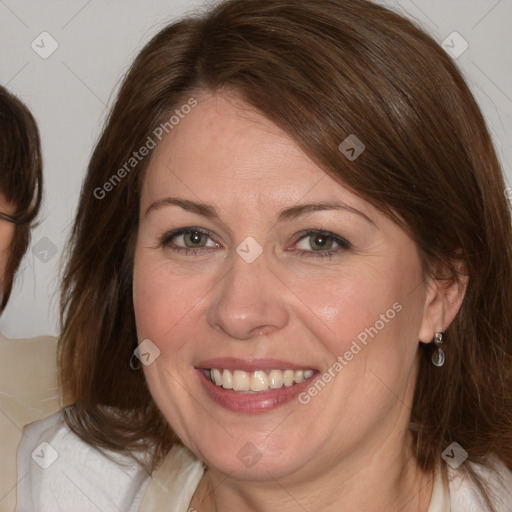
{"x":223,"y":151}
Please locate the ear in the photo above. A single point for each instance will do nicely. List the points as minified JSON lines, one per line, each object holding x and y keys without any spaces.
{"x":442,"y":302}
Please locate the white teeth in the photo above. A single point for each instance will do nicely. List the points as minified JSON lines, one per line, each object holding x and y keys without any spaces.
{"x":275,"y":379}
{"x":241,"y":380}
{"x":217,"y":377}
{"x":227,"y":380}
{"x":259,"y":380}
{"x":288,"y":377}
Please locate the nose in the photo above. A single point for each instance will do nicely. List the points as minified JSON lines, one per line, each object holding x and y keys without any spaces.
{"x":249,"y":301}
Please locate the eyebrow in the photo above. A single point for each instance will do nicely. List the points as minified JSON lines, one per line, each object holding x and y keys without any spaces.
{"x":286,"y":214}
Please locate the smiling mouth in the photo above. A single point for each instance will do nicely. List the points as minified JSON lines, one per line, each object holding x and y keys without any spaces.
{"x":257,"y":381}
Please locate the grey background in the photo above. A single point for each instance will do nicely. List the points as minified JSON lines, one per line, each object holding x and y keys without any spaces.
{"x":71,"y":91}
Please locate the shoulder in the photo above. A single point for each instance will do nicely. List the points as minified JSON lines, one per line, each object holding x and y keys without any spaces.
{"x":464,"y":495}
{"x":59,"y":471}
{"x":22,"y":346}
{"x":28,"y":391}
{"x":29,"y":377}
{"x":27,"y":364}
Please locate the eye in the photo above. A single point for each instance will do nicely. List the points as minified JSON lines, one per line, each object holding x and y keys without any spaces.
{"x":323,"y":244}
{"x":187,"y":239}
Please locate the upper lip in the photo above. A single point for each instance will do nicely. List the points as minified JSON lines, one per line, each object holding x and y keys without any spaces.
{"x":250,"y":365}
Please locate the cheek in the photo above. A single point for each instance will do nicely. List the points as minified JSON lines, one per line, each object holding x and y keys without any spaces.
{"x":369,"y":315}
{"x":365,"y":323}
{"x":6,"y":238}
{"x":342,"y":306}
{"x":165,"y":303}
{"x":6,"y":235}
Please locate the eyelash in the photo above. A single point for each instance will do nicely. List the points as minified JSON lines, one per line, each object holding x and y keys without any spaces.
{"x":343,"y":244}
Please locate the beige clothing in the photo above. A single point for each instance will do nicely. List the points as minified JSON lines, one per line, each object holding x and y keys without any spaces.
{"x":28,"y":392}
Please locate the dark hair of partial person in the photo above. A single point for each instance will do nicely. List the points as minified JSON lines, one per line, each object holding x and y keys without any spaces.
{"x":320,"y":70}
{"x":21,"y":178}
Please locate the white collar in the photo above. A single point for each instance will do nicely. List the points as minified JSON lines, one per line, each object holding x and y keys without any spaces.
{"x":440,"y":500}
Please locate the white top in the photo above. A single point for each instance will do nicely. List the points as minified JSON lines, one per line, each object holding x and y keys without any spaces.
{"x":59,"y":472}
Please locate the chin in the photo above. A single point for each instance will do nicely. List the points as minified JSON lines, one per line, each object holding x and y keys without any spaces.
{"x":252,"y":457}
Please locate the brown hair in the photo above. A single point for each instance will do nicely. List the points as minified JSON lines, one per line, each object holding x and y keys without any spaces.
{"x":321,"y":70}
{"x":21,"y":178}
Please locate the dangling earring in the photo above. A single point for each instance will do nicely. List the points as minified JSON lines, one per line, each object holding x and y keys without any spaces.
{"x":438,"y":357}
{"x":134,"y":362}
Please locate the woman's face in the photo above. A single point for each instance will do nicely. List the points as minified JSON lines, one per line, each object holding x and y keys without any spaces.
{"x":230,"y":284}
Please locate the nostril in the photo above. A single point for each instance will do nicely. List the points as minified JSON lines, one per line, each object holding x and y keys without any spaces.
{"x":261,"y":331}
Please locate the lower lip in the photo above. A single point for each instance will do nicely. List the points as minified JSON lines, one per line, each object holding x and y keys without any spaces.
{"x":252,"y":403}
